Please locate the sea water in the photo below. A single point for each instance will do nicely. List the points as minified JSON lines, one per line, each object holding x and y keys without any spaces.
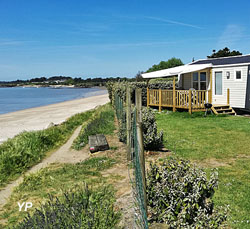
{"x":19,"y":98}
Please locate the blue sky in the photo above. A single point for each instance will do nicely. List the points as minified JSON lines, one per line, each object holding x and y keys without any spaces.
{"x":114,"y":38}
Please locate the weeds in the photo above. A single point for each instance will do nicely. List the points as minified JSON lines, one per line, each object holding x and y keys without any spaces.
{"x":101,"y":123}
{"x":54,"y":180}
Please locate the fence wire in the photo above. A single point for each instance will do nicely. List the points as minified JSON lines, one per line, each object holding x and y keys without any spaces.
{"x":136,"y":177}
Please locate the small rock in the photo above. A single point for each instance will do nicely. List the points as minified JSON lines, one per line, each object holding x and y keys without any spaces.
{"x":51,"y":124}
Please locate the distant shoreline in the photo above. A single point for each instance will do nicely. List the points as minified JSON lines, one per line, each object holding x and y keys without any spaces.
{"x":51,"y":86}
{"x":39,"y":118}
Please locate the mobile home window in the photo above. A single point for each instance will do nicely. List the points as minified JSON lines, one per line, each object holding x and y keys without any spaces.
{"x":238,"y":75}
{"x":196,"y":80}
{"x":203,"y":81}
{"x":200,"y":80}
{"x":218,"y":83}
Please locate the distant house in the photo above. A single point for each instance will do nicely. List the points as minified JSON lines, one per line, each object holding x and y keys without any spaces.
{"x":223,"y":82}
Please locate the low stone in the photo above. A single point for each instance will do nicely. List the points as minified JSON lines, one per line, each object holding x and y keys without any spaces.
{"x":98,"y":143}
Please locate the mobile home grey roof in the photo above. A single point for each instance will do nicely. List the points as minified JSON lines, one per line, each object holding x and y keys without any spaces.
{"x":225,"y":60}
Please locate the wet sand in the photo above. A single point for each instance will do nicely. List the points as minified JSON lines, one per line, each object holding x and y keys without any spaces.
{"x":40,"y":118}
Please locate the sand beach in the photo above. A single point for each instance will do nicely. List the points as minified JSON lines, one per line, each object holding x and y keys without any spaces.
{"x":39,"y":118}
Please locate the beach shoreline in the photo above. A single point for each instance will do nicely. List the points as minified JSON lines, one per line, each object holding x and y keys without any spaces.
{"x":39,"y":118}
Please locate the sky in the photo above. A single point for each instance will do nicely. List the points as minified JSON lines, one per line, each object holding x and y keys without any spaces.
{"x":90,"y":38}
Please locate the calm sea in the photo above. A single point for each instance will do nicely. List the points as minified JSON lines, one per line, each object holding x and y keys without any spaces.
{"x":18,"y":98}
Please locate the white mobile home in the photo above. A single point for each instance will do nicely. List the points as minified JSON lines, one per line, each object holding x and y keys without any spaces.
{"x":223,"y":82}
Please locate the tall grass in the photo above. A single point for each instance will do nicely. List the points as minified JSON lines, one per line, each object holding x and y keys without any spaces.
{"x":54,"y":179}
{"x":28,"y":148}
{"x":101,"y":123}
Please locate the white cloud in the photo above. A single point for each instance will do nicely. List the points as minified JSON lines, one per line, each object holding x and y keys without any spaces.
{"x":174,"y":22}
{"x":6,"y":42}
{"x":231,"y":35}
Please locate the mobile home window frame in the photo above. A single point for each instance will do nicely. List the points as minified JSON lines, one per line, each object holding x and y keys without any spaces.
{"x":221,"y":83}
{"x":199,"y":81}
{"x":235,"y":73}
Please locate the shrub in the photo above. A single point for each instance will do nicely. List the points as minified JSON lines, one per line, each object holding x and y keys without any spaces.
{"x":151,"y":139}
{"x":179,"y":195}
{"x":82,"y":208}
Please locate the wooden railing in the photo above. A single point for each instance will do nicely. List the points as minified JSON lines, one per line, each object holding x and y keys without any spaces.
{"x":185,"y":99}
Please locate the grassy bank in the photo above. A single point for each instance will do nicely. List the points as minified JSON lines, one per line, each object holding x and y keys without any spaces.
{"x":28,"y":148}
{"x":102,"y":122}
{"x":72,"y":204}
{"x":215,"y":141}
{"x":55,"y":180}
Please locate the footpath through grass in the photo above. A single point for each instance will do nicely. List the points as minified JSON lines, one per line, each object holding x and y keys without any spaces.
{"x":20,"y":153}
{"x":76,"y":206}
{"x":215,"y":141}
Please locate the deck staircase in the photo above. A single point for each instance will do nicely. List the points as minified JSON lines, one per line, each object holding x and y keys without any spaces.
{"x":223,"y":109}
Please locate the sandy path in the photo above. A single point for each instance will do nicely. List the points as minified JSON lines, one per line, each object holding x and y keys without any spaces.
{"x":63,"y":155}
{"x":40,"y":117}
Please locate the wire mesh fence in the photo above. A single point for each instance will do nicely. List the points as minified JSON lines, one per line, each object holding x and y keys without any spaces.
{"x":136,"y":176}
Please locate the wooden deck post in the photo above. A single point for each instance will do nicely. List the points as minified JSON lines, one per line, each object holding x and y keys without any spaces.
{"x":210,"y":96}
{"x":128,"y":98}
{"x":211,"y":86}
{"x":138,"y":99}
{"x":160,"y":99}
{"x":228,"y":96}
{"x":147,"y":97}
{"x":174,"y":96}
{"x":190,"y":102}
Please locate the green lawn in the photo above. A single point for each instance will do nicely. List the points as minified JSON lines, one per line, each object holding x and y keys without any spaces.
{"x":215,"y":141}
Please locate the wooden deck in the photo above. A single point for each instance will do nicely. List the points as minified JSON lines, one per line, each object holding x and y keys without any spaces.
{"x":191,"y":100}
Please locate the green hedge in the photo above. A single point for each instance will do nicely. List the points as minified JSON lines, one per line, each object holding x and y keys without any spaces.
{"x":28,"y":148}
{"x":120,"y":88}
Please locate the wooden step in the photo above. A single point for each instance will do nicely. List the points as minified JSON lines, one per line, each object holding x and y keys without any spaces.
{"x":223,"y":109}
{"x":221,"y":106}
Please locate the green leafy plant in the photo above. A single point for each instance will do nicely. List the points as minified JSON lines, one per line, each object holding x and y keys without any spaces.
{"x":179,"y":194}
{"x":80,"y":208}
{"x":152,"y":140}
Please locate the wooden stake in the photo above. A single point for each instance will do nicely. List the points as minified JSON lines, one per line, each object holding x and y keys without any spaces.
{"x":140,"y":142}
{"x":211,"y":85}
{"x":190,"y":102}
{"x":228,"y":96}
{"x":128,"y":103}
{"x":174,"y":96}
{"x":160,"y":100}
{"x":147,"y":97}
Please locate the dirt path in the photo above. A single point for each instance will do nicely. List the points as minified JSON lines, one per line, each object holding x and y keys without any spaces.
{"x":118,"y":176}
{"x":63,"y":155}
